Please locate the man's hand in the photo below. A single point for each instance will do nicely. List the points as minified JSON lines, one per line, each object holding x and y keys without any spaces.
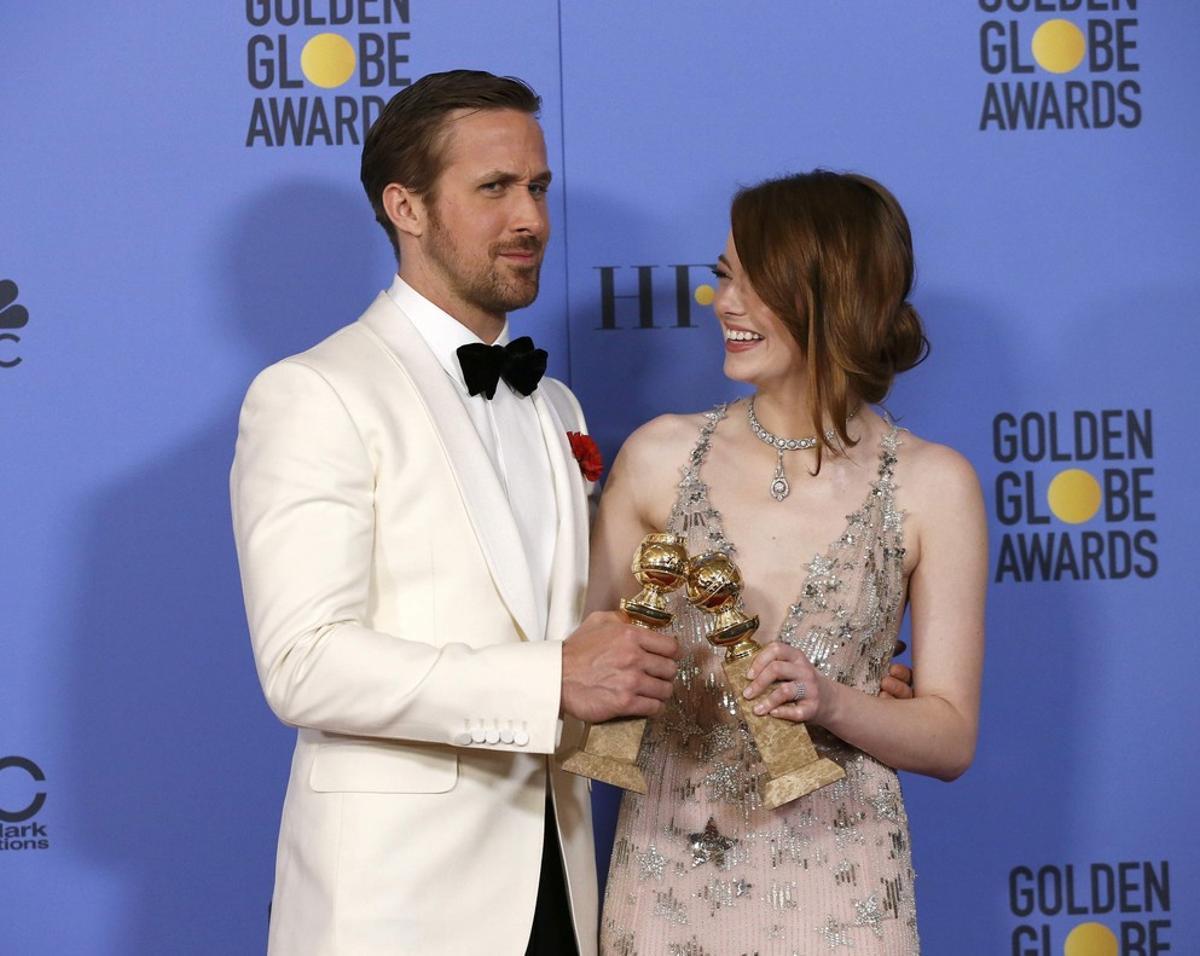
{"x":897,"y":683}
{"x":612,"y":669}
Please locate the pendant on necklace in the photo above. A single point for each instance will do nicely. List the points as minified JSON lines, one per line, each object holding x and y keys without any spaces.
{"x":780,"y":488}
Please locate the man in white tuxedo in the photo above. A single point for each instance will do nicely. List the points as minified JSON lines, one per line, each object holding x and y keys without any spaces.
{"x":412,"y":533}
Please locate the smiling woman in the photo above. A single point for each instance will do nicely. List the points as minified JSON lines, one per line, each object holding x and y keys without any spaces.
{"x":812,"y":305}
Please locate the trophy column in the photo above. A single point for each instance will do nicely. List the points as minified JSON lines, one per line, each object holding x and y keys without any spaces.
{"x":794,"y":767}
{"x":610,"y":750}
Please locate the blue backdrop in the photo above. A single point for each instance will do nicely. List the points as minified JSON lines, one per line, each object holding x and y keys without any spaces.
{"x":181,"y":207}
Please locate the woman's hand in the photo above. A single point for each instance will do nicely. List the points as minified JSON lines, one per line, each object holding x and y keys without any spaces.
{"x":791,"y":687}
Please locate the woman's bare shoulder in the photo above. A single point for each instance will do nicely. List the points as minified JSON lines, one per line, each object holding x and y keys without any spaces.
{"x":647,"y":469}
{"x":668,"y":438}
{"x":674,"y":427}
{"x":931,"y":472}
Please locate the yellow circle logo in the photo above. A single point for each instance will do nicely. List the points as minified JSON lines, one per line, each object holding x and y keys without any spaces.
{"x":1074,"y":496}
{"x":328,"y":60}
{"x":704,"y":294}
{"x":1090,"y":939}
{"x":1058,"y":46}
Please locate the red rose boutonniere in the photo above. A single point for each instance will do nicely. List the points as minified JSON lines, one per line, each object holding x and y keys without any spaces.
{"x":587,"y":454}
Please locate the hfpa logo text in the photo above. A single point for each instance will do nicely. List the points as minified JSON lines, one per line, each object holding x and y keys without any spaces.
{"x":650,"y":297}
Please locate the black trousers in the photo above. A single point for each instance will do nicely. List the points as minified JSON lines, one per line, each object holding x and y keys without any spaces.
{"x":552,"y":933}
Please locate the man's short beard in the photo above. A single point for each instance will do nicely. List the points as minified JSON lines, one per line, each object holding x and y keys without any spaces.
{"x":483,"y":287}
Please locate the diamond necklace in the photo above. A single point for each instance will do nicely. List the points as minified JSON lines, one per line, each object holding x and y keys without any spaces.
{"x":780,"y":488}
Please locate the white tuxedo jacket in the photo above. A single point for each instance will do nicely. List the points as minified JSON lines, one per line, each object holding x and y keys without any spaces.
{"x":393,"y":624}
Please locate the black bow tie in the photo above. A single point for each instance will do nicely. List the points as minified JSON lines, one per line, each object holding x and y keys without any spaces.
{"x":518,"y":363}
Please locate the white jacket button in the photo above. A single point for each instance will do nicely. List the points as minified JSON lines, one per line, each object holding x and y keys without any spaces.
{"x":478,"y":735}
{"x":521,"y":738}
{"x":506,"y":735}
{"x":493,"y":736}
{"x":462,"y":738}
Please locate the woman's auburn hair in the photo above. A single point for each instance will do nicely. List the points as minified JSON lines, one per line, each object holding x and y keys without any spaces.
{"x":831,"y":255}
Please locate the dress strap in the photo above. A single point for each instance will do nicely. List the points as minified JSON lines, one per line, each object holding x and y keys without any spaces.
{"x":888,"y":446}
{"x":712,"y":418}
{"x":691,"y":502}
{"x":891,"y":518}
{"x":888,"y":456}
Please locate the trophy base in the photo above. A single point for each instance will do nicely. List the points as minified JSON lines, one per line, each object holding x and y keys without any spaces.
{"x":609,"y":754}
{"x":611,"y":770}
{"x":799,"y":782}
{"x":794,"y":768}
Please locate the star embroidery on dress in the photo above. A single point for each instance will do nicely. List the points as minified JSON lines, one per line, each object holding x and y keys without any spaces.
{"x":652,"y":863}
{"x":869,"y":913}
{"x":710,"y":846}
{"x":724,"y":784}
{"x":886,"y":803}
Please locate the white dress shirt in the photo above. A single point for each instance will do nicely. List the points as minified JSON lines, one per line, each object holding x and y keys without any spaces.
{"x":510,"y":431}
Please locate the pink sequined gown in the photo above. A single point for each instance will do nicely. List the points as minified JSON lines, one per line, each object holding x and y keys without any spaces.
{"x":699,"y":866}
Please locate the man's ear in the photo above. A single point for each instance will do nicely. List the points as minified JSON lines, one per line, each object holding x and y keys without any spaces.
{"x":405,"y":209}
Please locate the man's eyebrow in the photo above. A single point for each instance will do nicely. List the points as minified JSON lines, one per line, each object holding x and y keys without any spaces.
{"x":507,"y":178}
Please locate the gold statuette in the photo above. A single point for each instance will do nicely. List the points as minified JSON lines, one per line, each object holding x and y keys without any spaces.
{"x":714,"y":585}
{"x":610,"y":750}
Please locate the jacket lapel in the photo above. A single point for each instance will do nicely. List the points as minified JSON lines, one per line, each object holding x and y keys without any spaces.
{"x":478,"y":484}
{"x":568,"y":576}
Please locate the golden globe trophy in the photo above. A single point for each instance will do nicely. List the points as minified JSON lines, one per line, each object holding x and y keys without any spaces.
{"x":610,"y":750}
{"x":794,"y":768}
